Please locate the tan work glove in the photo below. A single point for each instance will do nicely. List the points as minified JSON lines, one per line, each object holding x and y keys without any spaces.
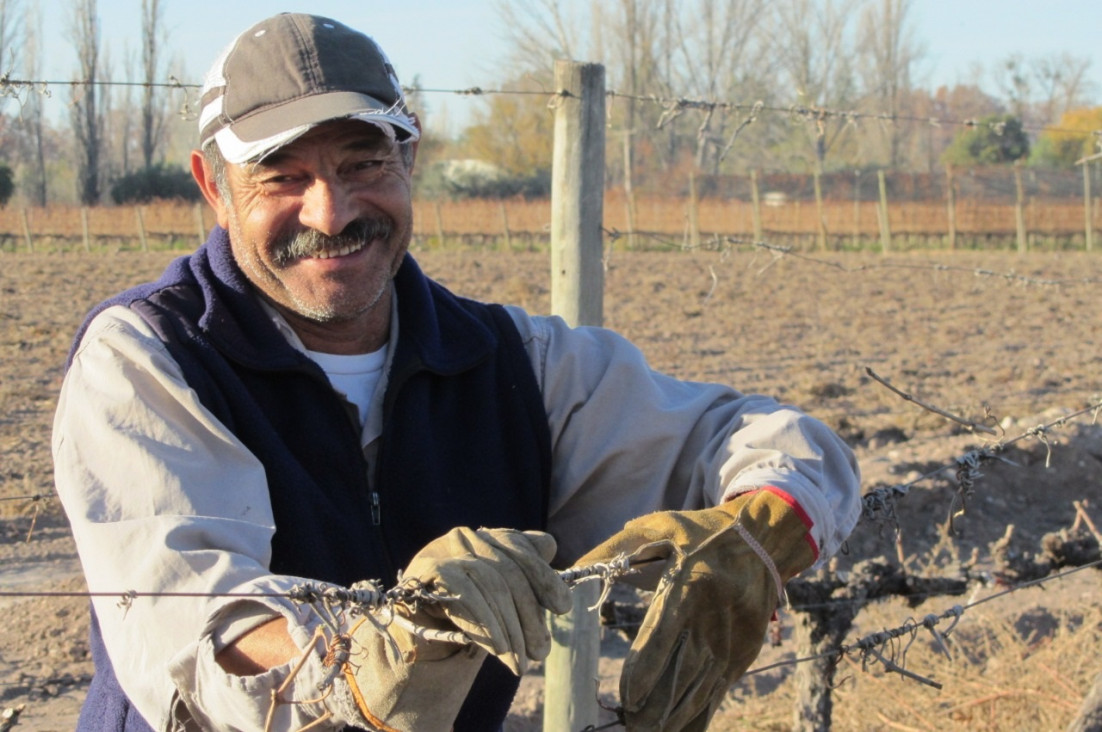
{"x":497,"y":583}
{"x":709,"y":615}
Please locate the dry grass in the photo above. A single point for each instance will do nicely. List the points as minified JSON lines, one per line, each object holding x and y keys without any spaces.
{"x":1019,"y":663}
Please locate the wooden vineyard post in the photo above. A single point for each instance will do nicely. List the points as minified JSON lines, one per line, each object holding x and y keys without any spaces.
{"x":857,"y":210}
{"x":577,"y":294}
{"x":439,"y":224}
{"x":885,"y":225}
{"x":84,"y":228}
{"x":141,"y":228}
{"x":26,"y":229}
{"x":505,"y":227}
{"x":200,"y":227}
{"x":1089,"y":233}
{"x":629,"y":190}
{"x":755,"y":210}
{"x":951,"y":203}
{"x":1019,"y":209}
{"x":694,"y":214}
{"x":819,"y":210}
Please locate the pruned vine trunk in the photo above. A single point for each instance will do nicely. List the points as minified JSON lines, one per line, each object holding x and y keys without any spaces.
{"x":817,"y":633}
{"x":1089,"y":718}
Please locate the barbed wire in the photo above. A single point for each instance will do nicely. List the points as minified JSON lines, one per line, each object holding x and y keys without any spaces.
{"x":672,"y":106}
{"x":368,"y":595}
{"x":880,"y":502}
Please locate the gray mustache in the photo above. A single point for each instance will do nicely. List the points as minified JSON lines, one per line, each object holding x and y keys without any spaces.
{"x":310,"y":242}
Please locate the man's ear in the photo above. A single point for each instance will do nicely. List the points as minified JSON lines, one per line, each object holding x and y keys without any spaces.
{"x":204,"y":176}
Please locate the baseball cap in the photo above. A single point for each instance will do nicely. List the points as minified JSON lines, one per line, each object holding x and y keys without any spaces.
{"x":291,"y":72}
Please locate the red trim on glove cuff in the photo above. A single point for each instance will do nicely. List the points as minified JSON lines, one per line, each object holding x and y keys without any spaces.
{"x":800,"y":512}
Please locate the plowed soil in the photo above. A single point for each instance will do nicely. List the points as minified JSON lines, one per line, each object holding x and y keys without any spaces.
{"x":1001,"y":339}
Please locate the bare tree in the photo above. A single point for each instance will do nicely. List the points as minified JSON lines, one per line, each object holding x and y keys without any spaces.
{"x":716,"y":51}
{"x":10,"y":30}
{"x":1062,"y":84}
{"x":539,"y":31}
{"x":85,"y":105}
{"x":153,"y":101}
{"x":1040,"y":89}
{"x":888,"y":54}
{"x":119,"y":125}
{"x":31,"y":117}
{"x":813,"y":41}
{"x":703,"y":49}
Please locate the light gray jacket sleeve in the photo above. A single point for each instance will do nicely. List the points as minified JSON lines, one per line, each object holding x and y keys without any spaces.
{"x":627,"y":440}
{"x":162,"y":498}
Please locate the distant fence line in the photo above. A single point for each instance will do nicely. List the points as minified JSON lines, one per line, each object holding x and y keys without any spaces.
{"x":822,"y":224}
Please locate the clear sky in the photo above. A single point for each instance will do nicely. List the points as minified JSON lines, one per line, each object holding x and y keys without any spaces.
{"x":455,"y":44}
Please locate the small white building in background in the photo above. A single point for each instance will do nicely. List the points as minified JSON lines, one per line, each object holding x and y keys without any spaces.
{"x":470,"y":172}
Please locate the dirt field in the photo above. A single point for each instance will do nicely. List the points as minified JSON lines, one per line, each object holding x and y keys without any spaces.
{"x":1006,"y":339}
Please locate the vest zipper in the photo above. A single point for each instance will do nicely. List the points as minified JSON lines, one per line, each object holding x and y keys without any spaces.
{"x":376,"y":511}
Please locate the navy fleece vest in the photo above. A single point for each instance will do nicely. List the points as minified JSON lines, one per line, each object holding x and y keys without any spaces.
{"x":465,"y":440}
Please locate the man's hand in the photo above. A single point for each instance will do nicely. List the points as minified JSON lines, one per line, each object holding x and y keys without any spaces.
{"x":496,"y":584}
{"x":726,"y":567}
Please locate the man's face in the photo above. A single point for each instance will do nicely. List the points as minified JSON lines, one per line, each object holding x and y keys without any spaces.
{"x":320,"y":226}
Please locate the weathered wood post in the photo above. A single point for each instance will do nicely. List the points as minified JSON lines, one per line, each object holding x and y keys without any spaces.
{"x":951,"y":202}
{"x":693,"y":214}
{"x":818,"y":184}
{"x":857,"y":210}
{"x":87,"y":236}
{"x":26,"y":229}
{"x":629,"y":189}
{"x":439,"y":224}
{"x":577,"y":294}
{"x":1019,"y":208}
{"x":1087,"y":203}
{"x":885,"y":223}
{"x":755,"y":211}
{"x":142,"y":238}
{"x":505,"y":226}
{"x":200,"y":225}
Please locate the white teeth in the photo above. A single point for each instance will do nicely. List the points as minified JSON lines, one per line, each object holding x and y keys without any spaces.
{"x":326,"y":254}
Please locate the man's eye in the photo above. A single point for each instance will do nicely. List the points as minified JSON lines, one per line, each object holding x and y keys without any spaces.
{"x":279,"y":179}
{"x":367,"y":165}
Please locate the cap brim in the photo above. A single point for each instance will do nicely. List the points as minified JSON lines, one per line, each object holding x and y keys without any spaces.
{"x":254,"y":136}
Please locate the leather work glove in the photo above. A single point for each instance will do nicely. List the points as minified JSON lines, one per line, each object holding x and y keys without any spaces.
{"x":712,"y":605}
{"x":496,"y":584}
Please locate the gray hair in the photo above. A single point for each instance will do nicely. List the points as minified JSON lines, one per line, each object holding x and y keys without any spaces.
{"x":217,"y":164}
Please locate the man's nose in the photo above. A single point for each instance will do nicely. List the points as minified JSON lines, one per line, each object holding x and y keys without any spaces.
{"x":327,"y":207}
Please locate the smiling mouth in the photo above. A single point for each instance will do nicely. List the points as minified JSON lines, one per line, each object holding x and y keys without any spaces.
{"x":310,"y":244}
{"x":339,"y":251}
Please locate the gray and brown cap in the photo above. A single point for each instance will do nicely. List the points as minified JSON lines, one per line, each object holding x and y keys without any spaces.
{"x":291,"y":72}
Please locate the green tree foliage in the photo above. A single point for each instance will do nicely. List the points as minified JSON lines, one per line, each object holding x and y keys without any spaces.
{"x":7,"y":184}
{"x":155,"y":182}
{"x":995,"y":139}
{"x":1072,"y":139}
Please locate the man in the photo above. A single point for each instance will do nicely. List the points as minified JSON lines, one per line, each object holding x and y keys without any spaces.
{"x":297,"y":403}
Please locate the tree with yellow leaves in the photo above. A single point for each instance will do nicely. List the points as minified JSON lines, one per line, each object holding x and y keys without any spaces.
{"x":1078,"y":135}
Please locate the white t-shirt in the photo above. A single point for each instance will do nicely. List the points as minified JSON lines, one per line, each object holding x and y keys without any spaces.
{"x":354,"y":376}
